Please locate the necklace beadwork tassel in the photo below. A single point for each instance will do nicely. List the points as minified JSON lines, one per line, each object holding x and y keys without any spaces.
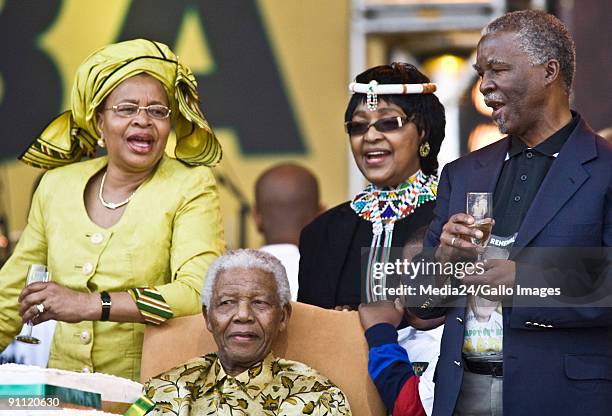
{"x":383,"y":207}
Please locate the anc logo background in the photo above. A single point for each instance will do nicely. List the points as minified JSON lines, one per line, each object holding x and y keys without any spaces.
{"x":272,"y":78}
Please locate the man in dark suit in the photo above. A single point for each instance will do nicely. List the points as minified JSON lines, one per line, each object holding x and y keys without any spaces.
{"x":551,"y":184}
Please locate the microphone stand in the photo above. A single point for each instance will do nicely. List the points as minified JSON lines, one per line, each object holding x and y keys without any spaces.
{"x":244,"y":206}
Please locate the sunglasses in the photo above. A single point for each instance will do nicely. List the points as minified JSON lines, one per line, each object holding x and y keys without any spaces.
{"x":384,"y":125}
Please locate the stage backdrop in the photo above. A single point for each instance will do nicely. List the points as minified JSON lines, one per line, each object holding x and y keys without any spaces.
{"x":272,"y":78}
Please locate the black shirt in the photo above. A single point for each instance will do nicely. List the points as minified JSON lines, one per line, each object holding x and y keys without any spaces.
{"x":321,"y":282}
{"x":522,"y":174}
{"x":349,"y":290}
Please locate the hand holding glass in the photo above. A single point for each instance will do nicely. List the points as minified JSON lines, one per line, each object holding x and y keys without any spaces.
{"x":36,"y":273}
{"x":480,"y":206}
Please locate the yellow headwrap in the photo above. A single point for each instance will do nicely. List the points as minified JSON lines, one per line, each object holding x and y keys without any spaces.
{"x":73,"y":134}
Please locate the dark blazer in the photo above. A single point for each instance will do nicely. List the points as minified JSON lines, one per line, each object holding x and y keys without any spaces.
{"x":556,"y":361}
{"x":329,"y":251}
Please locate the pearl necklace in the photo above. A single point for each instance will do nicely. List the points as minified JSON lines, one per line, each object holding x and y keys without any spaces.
{"x":111,"y":205}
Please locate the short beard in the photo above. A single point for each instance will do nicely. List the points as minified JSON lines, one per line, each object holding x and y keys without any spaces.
{"x":502,"y":126}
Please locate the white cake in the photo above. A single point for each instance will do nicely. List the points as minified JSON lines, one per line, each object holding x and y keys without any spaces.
{"x":112,"y":389}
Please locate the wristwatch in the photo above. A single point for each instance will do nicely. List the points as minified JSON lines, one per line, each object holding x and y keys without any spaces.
{"x":106,"y":305}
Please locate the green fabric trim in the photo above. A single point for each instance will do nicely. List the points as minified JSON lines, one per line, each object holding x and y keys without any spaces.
{"x":134,"y":293}
{"x":155,"y":311}
{"x":141,"y":407}
{"x":153,"y":294}
{"x":143,"y":296}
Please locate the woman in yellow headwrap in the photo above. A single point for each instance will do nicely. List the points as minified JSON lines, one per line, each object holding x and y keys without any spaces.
{"x":127,"y":237}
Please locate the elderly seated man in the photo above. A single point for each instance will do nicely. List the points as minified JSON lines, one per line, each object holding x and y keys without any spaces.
{"x":246,"y":304}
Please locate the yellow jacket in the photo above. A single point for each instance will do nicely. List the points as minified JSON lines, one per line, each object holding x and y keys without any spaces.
{"x":168,"y":236}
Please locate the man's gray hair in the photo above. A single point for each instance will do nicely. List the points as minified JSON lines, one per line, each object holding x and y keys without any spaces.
{"x":542,"y":37}
{"x":247,"y":259}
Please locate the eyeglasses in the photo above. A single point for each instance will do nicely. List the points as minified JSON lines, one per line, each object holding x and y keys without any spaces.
{"x":384,"y":125}
{"x":128,"y":110}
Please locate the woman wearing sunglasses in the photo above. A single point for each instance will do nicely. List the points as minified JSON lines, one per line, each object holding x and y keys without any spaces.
{"x":128,"y":236}
{"x":395,"y":126}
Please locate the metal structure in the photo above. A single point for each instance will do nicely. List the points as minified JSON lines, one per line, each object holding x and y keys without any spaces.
{"x":434,"y":23}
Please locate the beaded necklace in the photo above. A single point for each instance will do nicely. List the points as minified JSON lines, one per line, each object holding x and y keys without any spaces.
{"x":383,"y":207}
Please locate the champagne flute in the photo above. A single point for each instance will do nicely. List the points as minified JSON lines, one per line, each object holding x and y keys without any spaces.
{"x":36,"y":273}
{"x":480,"y":206}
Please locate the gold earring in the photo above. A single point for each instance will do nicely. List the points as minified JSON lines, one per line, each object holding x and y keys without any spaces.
{"x":101,"y":142}
{"x":424,"y":149}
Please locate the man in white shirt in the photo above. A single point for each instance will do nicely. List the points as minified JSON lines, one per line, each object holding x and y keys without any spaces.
{"x":286,"y":199}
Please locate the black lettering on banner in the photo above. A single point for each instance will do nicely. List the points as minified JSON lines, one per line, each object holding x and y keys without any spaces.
{"x":32,"y":85}
{"x":246,"y":91}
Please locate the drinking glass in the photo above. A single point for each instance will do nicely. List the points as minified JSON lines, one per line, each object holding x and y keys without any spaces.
{"x":36,"y":273}
{"x":480,"y":206}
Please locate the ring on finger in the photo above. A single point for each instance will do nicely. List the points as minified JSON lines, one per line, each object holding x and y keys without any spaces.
{"x":453,"y":241}
{"x":41,"y":308}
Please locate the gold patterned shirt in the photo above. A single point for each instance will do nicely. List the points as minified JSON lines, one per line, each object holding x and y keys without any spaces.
{"x":274,"y":386}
